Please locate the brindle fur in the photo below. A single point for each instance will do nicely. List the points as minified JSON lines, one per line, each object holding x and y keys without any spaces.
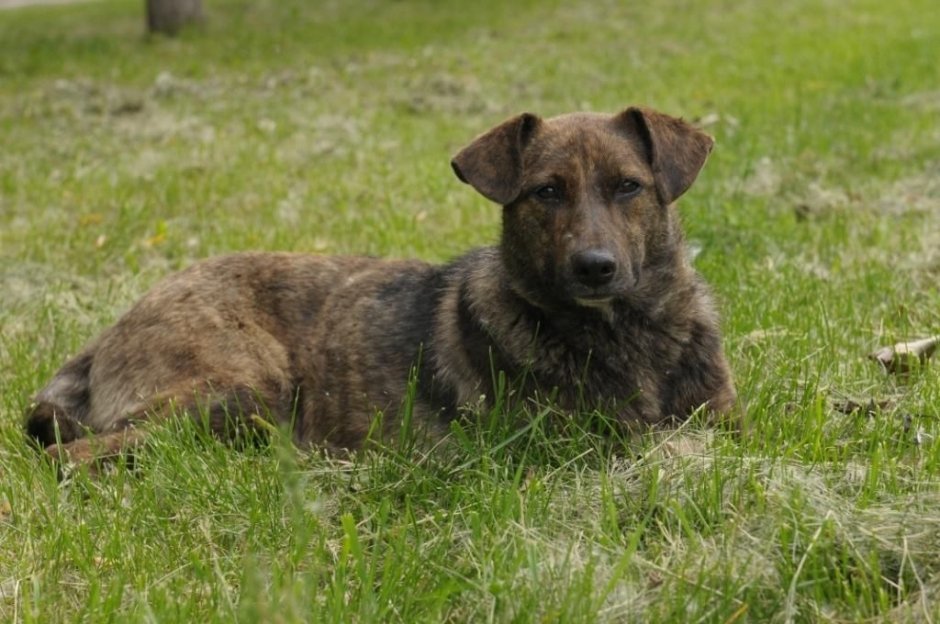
{"x":589,"y":295}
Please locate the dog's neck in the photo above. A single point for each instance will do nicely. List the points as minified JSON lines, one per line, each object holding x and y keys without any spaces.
{"x":659,"y":301}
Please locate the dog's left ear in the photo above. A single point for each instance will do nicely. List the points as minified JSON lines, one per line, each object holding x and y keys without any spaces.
{"x":492,"y":164}
{"x":677,"y":150}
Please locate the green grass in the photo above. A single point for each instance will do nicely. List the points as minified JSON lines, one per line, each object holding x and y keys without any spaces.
{"x":328,"y":127}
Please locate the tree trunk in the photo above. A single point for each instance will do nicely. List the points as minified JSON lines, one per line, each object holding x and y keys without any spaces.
{"x":169,"y":16}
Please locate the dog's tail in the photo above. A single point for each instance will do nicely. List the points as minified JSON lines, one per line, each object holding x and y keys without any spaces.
{"x":57,"y":413}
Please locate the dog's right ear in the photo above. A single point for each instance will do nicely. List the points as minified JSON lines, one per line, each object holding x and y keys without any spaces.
{"x":677,"y":150}
{"x":492,"y":164}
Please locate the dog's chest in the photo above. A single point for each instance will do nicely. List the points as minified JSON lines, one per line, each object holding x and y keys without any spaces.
{"x":620,"y":368}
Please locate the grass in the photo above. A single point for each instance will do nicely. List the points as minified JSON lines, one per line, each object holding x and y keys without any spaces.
{"x":328,"y":128}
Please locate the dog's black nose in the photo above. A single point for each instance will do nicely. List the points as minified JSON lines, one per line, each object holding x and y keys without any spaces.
{"x":594,"y":267}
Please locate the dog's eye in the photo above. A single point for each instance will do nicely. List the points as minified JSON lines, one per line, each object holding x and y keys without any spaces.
{"x":628,"y":188}
{"x":548,"y":193}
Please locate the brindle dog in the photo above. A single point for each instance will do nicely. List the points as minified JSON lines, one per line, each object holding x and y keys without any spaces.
{"x":589,"y":296}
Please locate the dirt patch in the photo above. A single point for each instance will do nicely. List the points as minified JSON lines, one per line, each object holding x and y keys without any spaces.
{"x":16,"y":4}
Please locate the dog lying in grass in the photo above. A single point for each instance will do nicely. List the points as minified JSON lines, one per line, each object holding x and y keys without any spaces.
{"x":589,"y":297}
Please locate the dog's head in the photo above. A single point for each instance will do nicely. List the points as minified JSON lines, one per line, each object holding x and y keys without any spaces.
{"x":587,"y":198}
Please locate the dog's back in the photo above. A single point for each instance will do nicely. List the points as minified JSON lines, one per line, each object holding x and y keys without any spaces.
{"x":256,"y":334}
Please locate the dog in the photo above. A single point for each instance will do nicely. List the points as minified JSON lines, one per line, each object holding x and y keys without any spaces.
{"x":589,"y":298}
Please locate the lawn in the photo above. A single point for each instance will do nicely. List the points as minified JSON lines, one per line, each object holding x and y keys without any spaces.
{"x":328,"y":127}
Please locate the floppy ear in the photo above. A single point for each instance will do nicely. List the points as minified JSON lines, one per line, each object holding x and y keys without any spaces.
{"x":677,"y":151}
{"x":492,"y":164}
